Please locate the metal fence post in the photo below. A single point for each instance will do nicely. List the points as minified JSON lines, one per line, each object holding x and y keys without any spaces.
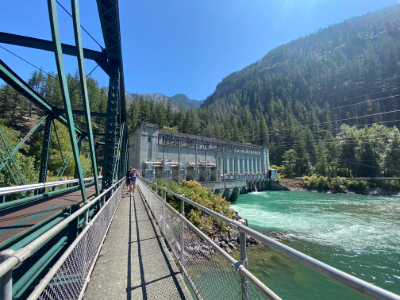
{"x":163,"y":211}
{"x":182,"y":229}
{"x":243,"y":259}
{"x":6,"y":280}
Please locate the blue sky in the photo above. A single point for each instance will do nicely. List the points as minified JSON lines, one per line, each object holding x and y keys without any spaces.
{"x":179,"y":46}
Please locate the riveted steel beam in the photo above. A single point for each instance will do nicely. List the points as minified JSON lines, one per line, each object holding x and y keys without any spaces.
{"x":64,"y":91}
{"x":111,"y":126}
{"x":109,"y":20}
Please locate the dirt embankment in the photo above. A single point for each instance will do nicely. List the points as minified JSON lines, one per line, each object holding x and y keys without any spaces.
{"x":292,"y":184}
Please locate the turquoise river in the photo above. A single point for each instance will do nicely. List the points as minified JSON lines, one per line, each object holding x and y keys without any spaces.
{"x":357,"y":234}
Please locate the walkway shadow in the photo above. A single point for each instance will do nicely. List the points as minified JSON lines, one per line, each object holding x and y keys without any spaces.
{"x":143,"y":284}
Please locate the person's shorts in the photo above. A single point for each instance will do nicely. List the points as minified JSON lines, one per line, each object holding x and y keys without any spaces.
{"x":127,"y":182}
{"x":133,"y":183}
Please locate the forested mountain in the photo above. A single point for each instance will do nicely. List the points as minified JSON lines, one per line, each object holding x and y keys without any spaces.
{"x":182,"y":99}
{"x":176,"y":100}
{"x":298,"y":96}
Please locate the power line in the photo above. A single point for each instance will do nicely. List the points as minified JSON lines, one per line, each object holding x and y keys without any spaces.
{"x":359,"y":117}
{"x":384,"y":15}
{"x":26,"y":61}
{"x":366,"y":100}
{"x":81,"y":25}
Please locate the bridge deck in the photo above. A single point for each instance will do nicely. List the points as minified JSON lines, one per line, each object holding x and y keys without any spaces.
{"x":18,"y":219}
{"x":134,"y":262}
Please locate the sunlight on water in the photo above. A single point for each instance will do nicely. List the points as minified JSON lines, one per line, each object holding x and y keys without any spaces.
{"x":355,"y":233}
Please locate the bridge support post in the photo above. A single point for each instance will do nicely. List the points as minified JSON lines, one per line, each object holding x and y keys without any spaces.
{"x":182,"y":236}
{"x":243,"y":259}
{"x":6,"y":279}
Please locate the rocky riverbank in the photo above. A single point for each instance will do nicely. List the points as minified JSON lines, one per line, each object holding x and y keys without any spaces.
{"x":229,"y":240}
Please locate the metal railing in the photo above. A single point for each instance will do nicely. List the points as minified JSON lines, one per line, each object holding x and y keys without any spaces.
{"x":69,"y":276}
{"x":36,"y":186}
{"x":8,"y":190}
{"x":209,"y":269}
{"x":179,"y":233}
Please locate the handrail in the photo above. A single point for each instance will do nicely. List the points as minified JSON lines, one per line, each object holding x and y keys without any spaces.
{"x":350,"y":281}
{"x":17,"y":257}
{"x":36,"y":186}
{"x":52,"y":272}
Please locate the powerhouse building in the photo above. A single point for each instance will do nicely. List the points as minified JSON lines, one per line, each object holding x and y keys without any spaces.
{"x":225,"y":167}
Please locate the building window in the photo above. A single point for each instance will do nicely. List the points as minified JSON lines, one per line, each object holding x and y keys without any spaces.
{"x":225,"y":165}
{"x":230,"y":165}
{"x":149,"y":138}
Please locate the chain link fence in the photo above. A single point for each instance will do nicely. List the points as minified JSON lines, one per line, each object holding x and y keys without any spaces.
{"x":75,"y":266}
{"x":211,"y":274}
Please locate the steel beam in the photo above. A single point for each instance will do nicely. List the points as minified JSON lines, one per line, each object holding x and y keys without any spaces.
{"x":9,"y":170}
{"x":23,"y":141}
{"x":78,"y":43}
{"x":22,"y":87}
{"x":111,"y":126}
{"x":81,"y":113}
{"x":64,"y":90}
{"x":11,"y":157}
{"x":19,"y":40}
{"x":45,"y":153}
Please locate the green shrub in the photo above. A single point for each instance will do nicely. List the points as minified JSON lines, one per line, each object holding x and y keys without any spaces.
{"x":306,"y":182}
{"x":391,"y":185}
{"x":310,"y":182}
{"x":195,"y":192}
{"x":360,"y":185}
{"x":323,"y":182}
{"x":338,"y":183}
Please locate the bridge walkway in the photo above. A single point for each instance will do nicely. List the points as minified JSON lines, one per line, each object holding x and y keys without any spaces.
{"x":134,"y":262}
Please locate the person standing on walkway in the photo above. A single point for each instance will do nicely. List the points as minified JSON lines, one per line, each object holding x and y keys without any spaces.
{"x":132,"y":177}
{"x":127,"y":178}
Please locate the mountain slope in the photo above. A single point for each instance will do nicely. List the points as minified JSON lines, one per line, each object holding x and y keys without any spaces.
{"x":326,"y":68}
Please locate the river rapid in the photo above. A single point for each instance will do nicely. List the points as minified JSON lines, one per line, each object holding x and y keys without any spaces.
{"x":357,"y":234}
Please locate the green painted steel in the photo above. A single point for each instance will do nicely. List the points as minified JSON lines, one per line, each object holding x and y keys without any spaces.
{"x":76,"y":174}
{"x":82,"y":74}
{"x":22,"y":87}
{"x":9,"y":170}
{"x":64,"y":90}
{"x":117,"y":173}
{"x":111,"y":126}
{"x":11,"y":157}
{"x":25,"y":241}
{"x":13,"y":39}
{"x":23,"y":140}
{"x":45,"y":153}
{"x":24,"y":282}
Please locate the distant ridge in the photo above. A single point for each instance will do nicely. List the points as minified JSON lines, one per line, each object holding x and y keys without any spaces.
{"x":177,"y":100}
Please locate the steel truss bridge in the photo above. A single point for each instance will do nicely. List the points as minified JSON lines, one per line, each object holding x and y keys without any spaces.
{"x":50,"y":240}
{"x":49,"y":204}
